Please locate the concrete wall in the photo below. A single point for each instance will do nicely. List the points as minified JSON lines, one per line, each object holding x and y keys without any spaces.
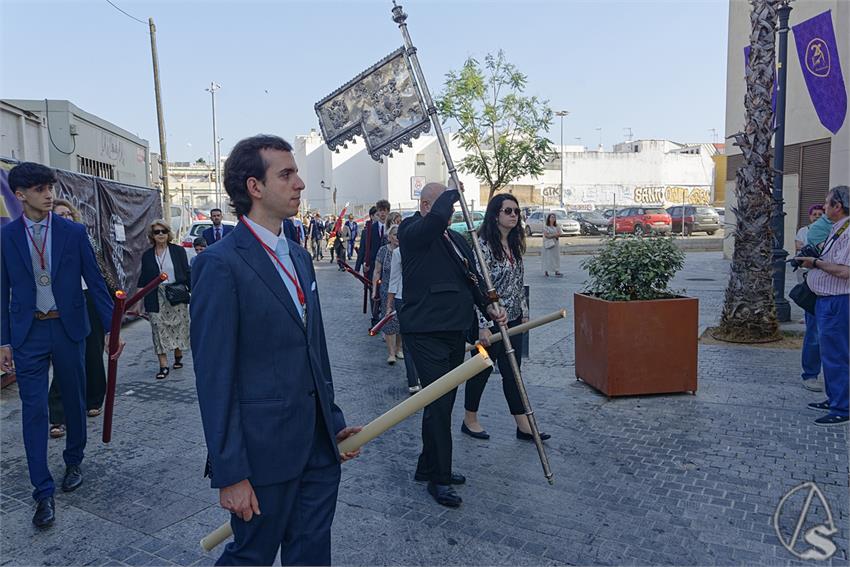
{"x":23,"y":135}
{"x":802,"y":123}
{"x":96,"y":139}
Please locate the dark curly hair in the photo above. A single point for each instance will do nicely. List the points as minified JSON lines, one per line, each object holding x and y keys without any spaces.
{"x":28,"y":174}
{"x":246,"y":161}
{"x":489,"y":229}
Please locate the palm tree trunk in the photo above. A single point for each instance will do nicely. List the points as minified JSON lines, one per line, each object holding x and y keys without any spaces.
{"x":749,"y":310}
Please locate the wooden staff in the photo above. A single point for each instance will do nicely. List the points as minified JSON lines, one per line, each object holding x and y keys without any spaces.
{"x":395,"y":415}
{"x":519,"y":329}
{"x":112,"y":365}
{"x":380,"y":325}
{"x":354,"y":273}
{"x":122,"y":304}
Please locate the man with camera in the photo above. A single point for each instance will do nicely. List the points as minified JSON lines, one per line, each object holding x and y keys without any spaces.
{"x":829,"y":279}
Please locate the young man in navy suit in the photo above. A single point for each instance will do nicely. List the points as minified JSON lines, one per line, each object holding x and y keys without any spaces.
{"x":262,"y":370}
{"x":44,"y":257}
{"x":217,"y":231}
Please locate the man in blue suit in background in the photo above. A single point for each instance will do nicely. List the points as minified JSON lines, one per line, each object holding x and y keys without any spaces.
{"x":262,"y":370}
{"x":45,"y":320}
{"x":217,"y":231}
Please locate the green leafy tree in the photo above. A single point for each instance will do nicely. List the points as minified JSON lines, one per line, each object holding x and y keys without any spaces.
{"x":499,"y":126}
{"x":201,"y":160}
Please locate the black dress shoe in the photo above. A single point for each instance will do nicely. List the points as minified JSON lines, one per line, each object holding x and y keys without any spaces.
{"x":471,"y":433}
{"x":457,"y":478}
{"x":45,"y":512}
{"x":73,"y":478}
{"x":444,"y":494}
{"x":529,"y":437}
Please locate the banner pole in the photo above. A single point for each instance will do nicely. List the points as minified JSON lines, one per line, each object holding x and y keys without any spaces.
{"x":399,"y":17}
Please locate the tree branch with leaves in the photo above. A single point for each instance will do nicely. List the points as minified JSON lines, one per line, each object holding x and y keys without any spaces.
{"x":498,"y":125}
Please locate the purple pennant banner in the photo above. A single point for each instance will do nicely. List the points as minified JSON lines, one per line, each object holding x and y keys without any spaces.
{"x":818,"y":53}
{"x":10,"y":207}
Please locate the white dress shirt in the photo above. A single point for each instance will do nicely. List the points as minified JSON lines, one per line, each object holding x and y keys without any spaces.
{"x":280,"y":245}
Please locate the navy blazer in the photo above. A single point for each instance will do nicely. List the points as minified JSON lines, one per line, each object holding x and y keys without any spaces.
{"x":72,"y":258}
{"x":258,"y":369}
{"x":208,"y":233}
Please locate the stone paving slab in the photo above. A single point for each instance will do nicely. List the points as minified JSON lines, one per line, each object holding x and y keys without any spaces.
{"x":663,"y":480}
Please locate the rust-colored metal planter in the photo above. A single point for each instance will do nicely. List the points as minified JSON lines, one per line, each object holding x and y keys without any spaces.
{"x":626,"y":348}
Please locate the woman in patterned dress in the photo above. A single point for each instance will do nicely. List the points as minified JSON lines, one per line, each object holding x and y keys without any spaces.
{"x":502,"y":242}
{"x":380,"y":286}
{"x":169,"y":323}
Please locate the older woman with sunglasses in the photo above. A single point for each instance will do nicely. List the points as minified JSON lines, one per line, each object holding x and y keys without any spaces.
{"x":502,"y":241}
{"x":169,"y":322}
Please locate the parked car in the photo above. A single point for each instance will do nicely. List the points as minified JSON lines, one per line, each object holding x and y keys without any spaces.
{"x":641,"y":220}
{"x":721,"y":212}
{"x":591,"y":223}
{"x":459,"y":225}
{"x":535,"y":221}
{"x":696,"y":218}
{"x":196,"y":230}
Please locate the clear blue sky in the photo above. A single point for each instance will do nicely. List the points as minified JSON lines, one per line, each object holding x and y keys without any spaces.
{"x":656,"y":67}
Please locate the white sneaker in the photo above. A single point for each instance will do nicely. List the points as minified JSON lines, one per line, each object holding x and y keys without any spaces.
{"x":813,"y":384}
{"x":414,"y":389}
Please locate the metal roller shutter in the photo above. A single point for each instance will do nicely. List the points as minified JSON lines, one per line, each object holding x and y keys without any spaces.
{"x":814,"y":177}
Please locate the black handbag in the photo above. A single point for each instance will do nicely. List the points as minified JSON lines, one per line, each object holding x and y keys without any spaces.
{"x":177,"y":293}
{"x":802,"y":295}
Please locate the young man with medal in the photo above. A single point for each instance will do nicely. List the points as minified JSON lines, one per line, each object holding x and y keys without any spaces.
{"x":44,"y":260}
{"x":262,"y":370}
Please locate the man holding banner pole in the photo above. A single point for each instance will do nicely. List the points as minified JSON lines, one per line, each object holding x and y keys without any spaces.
{"x":440,"y":289}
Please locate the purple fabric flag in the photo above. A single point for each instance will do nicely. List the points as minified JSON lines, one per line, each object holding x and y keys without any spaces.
{"x":818,"y":53}
{"x":773,"y":94}
{"x":10,"y":207}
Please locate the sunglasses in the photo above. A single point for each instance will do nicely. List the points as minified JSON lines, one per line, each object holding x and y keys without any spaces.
{"x":160,"y":231}
{"x":511,"y":210}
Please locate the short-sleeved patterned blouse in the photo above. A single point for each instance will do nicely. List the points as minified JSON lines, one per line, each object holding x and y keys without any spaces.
{"x":508,"y":278}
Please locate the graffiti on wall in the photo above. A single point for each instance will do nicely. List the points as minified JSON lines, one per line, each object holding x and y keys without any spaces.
{"x":672,"y":195}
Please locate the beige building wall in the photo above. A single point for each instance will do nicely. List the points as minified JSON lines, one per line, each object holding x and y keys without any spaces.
{"x":802,"y":123}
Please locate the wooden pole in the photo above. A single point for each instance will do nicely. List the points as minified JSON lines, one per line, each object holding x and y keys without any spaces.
{"x":163,"y":153}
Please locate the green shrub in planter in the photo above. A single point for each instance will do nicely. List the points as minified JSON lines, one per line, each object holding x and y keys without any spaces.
{"x":630,"y":268}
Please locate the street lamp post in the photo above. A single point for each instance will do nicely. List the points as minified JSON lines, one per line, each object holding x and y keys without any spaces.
{"x":783,"y":308}
{"x":562,"y":113}
{"x":212,"y":90}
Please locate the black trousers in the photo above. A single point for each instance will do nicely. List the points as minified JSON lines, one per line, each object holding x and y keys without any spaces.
{"x":475,"y":386}
{"x":95,"y":373}
{"x":434,"y":354}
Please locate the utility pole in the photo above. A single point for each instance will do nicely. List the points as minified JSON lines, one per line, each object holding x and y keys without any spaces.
{"x":163,"y":154}
{"x":213,"y":88}
{"x":562,"y":113}
{"x":629,"y":134}
{"x":713,"y":134}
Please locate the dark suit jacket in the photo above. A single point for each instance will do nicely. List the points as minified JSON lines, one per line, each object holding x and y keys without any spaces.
{"x":258,"y":369}
{"x":291,"y":231}
{"x":361,"y":250}
{"x":209,"y":233}
{"x":150,"y":270}
{"x":72,"y":258}
{"x":437,"y":294}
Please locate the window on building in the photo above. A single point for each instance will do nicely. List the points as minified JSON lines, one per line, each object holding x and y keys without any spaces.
{"x":420,"y":159}
{"x":637,"y":148}
{"x":96,"y":168}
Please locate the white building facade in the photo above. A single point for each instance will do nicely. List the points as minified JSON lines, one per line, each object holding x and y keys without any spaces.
{"x":75,"y":141}
{"x":640,"y":172}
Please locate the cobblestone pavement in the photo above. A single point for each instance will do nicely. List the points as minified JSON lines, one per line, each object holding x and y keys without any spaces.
{"x":665,"y":480}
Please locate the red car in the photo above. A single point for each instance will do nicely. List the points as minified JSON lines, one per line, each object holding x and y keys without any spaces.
{"x":641,"y":220}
